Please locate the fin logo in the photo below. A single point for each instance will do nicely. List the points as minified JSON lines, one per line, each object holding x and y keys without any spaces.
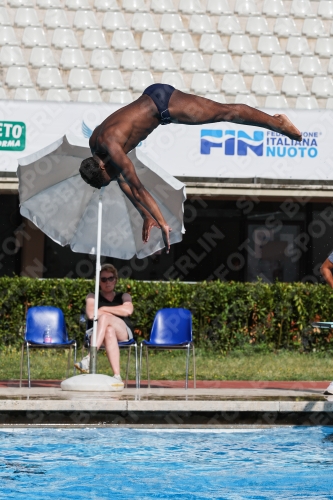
{"x":210,"y":139}
{"x":86,"y":131}
{"x":236,"y":142}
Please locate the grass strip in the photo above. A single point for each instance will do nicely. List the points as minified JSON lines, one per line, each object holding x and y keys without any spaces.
{"x":282,"y":365}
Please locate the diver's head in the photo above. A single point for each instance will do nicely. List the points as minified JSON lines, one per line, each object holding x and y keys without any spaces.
{"x":92,"y":173}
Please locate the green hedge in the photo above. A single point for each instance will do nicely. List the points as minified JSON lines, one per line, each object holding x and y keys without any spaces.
{"x":225,"y":315}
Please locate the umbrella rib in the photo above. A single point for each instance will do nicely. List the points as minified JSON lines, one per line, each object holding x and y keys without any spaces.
{"x":84,"y":212}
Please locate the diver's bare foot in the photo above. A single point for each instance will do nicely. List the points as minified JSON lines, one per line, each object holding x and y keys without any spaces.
{"x":287,"y":128}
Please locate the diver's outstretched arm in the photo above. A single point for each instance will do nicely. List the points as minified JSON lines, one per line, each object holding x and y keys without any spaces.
{"x":148,"y":221}
{"x":139,"y":193}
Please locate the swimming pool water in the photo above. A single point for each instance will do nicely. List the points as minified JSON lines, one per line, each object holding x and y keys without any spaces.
{"x":231,"y":464}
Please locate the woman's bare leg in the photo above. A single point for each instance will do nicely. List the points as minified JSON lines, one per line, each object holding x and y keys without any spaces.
{"x":190,"y":109}
{"x":112,"y":349}
{"x":110,"y":329}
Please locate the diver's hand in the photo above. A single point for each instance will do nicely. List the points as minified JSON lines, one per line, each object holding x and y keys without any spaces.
{"x":166,"y":237}
{"x":148,"y":224}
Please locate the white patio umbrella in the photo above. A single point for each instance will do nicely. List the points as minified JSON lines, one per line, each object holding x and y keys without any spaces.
{"x":56,"y":199}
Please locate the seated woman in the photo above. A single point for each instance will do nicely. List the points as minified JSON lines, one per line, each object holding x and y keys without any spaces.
{"x":113,"y":323}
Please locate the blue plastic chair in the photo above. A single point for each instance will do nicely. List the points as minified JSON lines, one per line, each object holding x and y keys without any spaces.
{"x":37,"y":320}
{"x":172,"y":329}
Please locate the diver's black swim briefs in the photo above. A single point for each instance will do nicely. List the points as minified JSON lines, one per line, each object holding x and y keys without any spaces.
{"x":160,"y":93}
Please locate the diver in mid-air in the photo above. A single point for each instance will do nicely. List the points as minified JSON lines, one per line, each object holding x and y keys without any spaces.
{"x":160,"y":104}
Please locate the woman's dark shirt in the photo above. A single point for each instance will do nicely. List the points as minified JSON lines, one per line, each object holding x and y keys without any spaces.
{"x":117,"y":301}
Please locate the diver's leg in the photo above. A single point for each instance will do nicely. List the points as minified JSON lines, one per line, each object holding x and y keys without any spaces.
{"x":190,"y":109}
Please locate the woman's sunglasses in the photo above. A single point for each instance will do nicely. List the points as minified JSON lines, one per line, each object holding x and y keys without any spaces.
{"x":109,"y":278}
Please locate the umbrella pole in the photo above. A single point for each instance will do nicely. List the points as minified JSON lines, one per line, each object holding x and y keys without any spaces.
{"x":93,"y":346}
{"x":92,"y":382}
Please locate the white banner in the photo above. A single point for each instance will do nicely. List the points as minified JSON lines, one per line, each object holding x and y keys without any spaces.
{"x":216,"y":151}
{"x":230,"y":151}
{"x":43,"y":123}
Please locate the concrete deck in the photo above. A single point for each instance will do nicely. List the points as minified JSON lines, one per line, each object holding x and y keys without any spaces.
{"x":212,"y":403}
